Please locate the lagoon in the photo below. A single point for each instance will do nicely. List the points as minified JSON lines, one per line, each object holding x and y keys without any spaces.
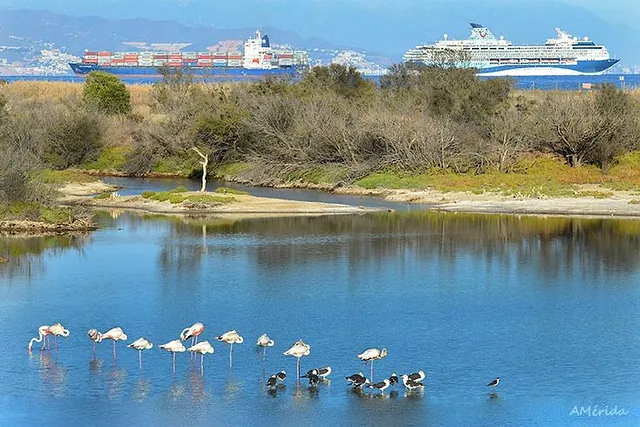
{"x":549,"y":304}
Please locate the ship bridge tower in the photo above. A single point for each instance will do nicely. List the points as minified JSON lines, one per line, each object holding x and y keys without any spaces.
{"x":258,"y":52}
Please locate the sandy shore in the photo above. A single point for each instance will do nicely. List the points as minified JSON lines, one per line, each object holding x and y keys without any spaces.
{"x":621,"y":203}
{"x":244,"y":205}
{"x":86,"y":188}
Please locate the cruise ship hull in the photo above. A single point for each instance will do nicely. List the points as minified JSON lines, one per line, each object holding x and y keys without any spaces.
{"x":580,"y":68}
{"x":208,"y":73}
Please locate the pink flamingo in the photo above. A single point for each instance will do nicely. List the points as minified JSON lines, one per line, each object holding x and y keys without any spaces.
{"x":202,"y":348}
{"x":141,"y":344}
{"x":58,"y":330}
{"x":115,"y":334}
{"x":43,"y":333}
{"x":192,"y":332}
{"x":95,"y":336}
{"x":174,"y":347}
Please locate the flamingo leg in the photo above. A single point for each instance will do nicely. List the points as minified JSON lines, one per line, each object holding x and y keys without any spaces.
{"x":298,"y":369}
{"x":140,"y":358}
{"x":55,"y":342}
{"x":174,"y":363}
{"x":202,"y":364}
{"x":372,"y":371}
{"x":44,"y":343}
{"x":94,"y":350}
{"x":114,"y":349}
{"x":264,"y":353}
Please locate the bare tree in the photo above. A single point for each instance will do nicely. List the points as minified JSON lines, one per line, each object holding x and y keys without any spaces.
{"x":204,"y":163}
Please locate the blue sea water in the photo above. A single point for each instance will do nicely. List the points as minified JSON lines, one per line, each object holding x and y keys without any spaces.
{"x":551,"y":305}
{"x":628,"y":81}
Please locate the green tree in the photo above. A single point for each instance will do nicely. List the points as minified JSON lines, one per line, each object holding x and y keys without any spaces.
{"x":107,"y":93}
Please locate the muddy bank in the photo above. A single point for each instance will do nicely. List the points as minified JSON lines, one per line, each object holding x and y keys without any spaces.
{"x":31,"y":228}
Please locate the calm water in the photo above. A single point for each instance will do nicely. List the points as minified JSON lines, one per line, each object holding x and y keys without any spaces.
{"x":628,"y":81}
{"x":550,"y":305}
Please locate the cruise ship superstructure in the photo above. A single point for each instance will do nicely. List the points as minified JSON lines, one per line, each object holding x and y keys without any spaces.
{"x":491,"y":56}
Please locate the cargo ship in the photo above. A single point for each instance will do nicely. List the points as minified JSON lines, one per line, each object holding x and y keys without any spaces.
{"x":491,"y":56}
{"x":257,"y":61}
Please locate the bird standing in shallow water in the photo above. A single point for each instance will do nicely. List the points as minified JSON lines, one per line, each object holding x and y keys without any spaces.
{"x":357,"y":380}
{"x":411,"y":384}
{"x":57,"y":330}
{"x":382,"y":385}
{"x":43,"y":334}
{"x":393,"y":379}
{"x":140,"y":344}
{"x":264,"y":341}
{"x":371,"y":355}
{"x":494,"y":384}
{"x":231,"y":337}
{"x":203,"y":348}
{"x":174,"y":347}
{"x":298,"y":350}
{"x":115,"y":334}
{"x":417,"y":376}
{"x":96,"y":337}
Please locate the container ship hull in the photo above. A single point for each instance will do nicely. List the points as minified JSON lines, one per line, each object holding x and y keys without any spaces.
{"x":207,"y":73}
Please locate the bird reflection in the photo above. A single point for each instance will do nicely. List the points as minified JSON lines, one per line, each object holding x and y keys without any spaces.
{"x":53,"y":375}
{"x":95,"y":366}
{"x":143,"y":387}
{"x":176,"y":391}
{"x":116,"y":382}
{"x":231,"y":388}
{"x":197,"y":388}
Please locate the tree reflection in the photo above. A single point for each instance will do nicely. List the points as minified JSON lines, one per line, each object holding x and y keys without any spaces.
{"x":552,"y":244}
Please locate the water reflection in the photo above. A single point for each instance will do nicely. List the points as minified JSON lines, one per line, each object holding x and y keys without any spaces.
{"x":53,"y":375}
{"x":142,"y":389}
{"x":116,"y":382}
{"x":197,"y":389}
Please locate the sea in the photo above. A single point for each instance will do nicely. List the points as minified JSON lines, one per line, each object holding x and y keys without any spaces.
{"x":548,"y":304}
{"x":623,"y":81}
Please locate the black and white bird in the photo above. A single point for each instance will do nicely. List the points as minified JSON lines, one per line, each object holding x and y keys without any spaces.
{"x":393,"y":379}
{"x":411,"y":384}
{"x":323,"y":373}
{"x":314,"y":379}
{"x":309,"y":373}
{"x":382,"y":385}
{"x":355,"y":377}
{"x":494,"y":384}
{"x":281,"y":376}
{"x":417,"y":376}
{"x":272,"y":382}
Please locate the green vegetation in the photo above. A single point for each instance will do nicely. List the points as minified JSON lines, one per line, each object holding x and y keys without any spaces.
{"x":112,"y":158}
{"x":106,"y":93}
{"x":178,"y":195}
{"x":48,"y":176}
{"x":35,"y":212}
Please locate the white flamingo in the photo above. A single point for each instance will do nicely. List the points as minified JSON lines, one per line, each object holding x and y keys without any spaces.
{"x":174,"y":347}
{"x":297,"y":350}
{"x":370,"y":355}
{"x":57,"y":330}
{"x":203,"y":348}
{"x":140,"y":344}
{"x":264,"y":341}
{"x":231,"y":337}
{"x":96,"y":337}
{"x":43,"y":334}
{"x":115,"y":334}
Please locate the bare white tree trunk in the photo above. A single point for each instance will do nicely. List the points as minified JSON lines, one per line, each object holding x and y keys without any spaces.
{"x":204,"y":163}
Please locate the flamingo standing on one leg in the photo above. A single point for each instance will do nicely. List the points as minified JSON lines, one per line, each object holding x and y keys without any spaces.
{"x":371,"y":355}
{"x":95,"y":336}
{"x":174,"y":347}
{"x":115,"y":334}
{"x":43,"y":333}
{"x":192,"y":332}
{"x":58,"y":330}
{"x":264,"y":341}
{"x":231,"y":337}
{"x":202,"y":348}
{"x":297,"y":350}
{"x":140,"y":344}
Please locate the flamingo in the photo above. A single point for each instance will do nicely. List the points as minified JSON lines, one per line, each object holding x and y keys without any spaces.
{"x":231,"y":337}
{"x":202,"y":348}
{"x":115,"y":334}
{"x":58,"y":330}
{"x":371,"y":355}
{"x":140,"y":344}
{"x":43,"y":333}
{"x":192,"y":332}
{"x":297,"y":350}
{"x":264,"y":341}
{"x":174,"y":347}
{"x":95,"y":336}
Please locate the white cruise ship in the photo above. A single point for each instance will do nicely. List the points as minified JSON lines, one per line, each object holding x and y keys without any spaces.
{"x":491,"y":56}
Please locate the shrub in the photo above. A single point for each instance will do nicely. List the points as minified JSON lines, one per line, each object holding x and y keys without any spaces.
{"x":73,"y":141}
{"x":107,"y":93}
{"x":226,"y":190}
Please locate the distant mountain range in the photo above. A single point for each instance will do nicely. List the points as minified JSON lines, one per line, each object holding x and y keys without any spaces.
{"x":384,"y":29}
